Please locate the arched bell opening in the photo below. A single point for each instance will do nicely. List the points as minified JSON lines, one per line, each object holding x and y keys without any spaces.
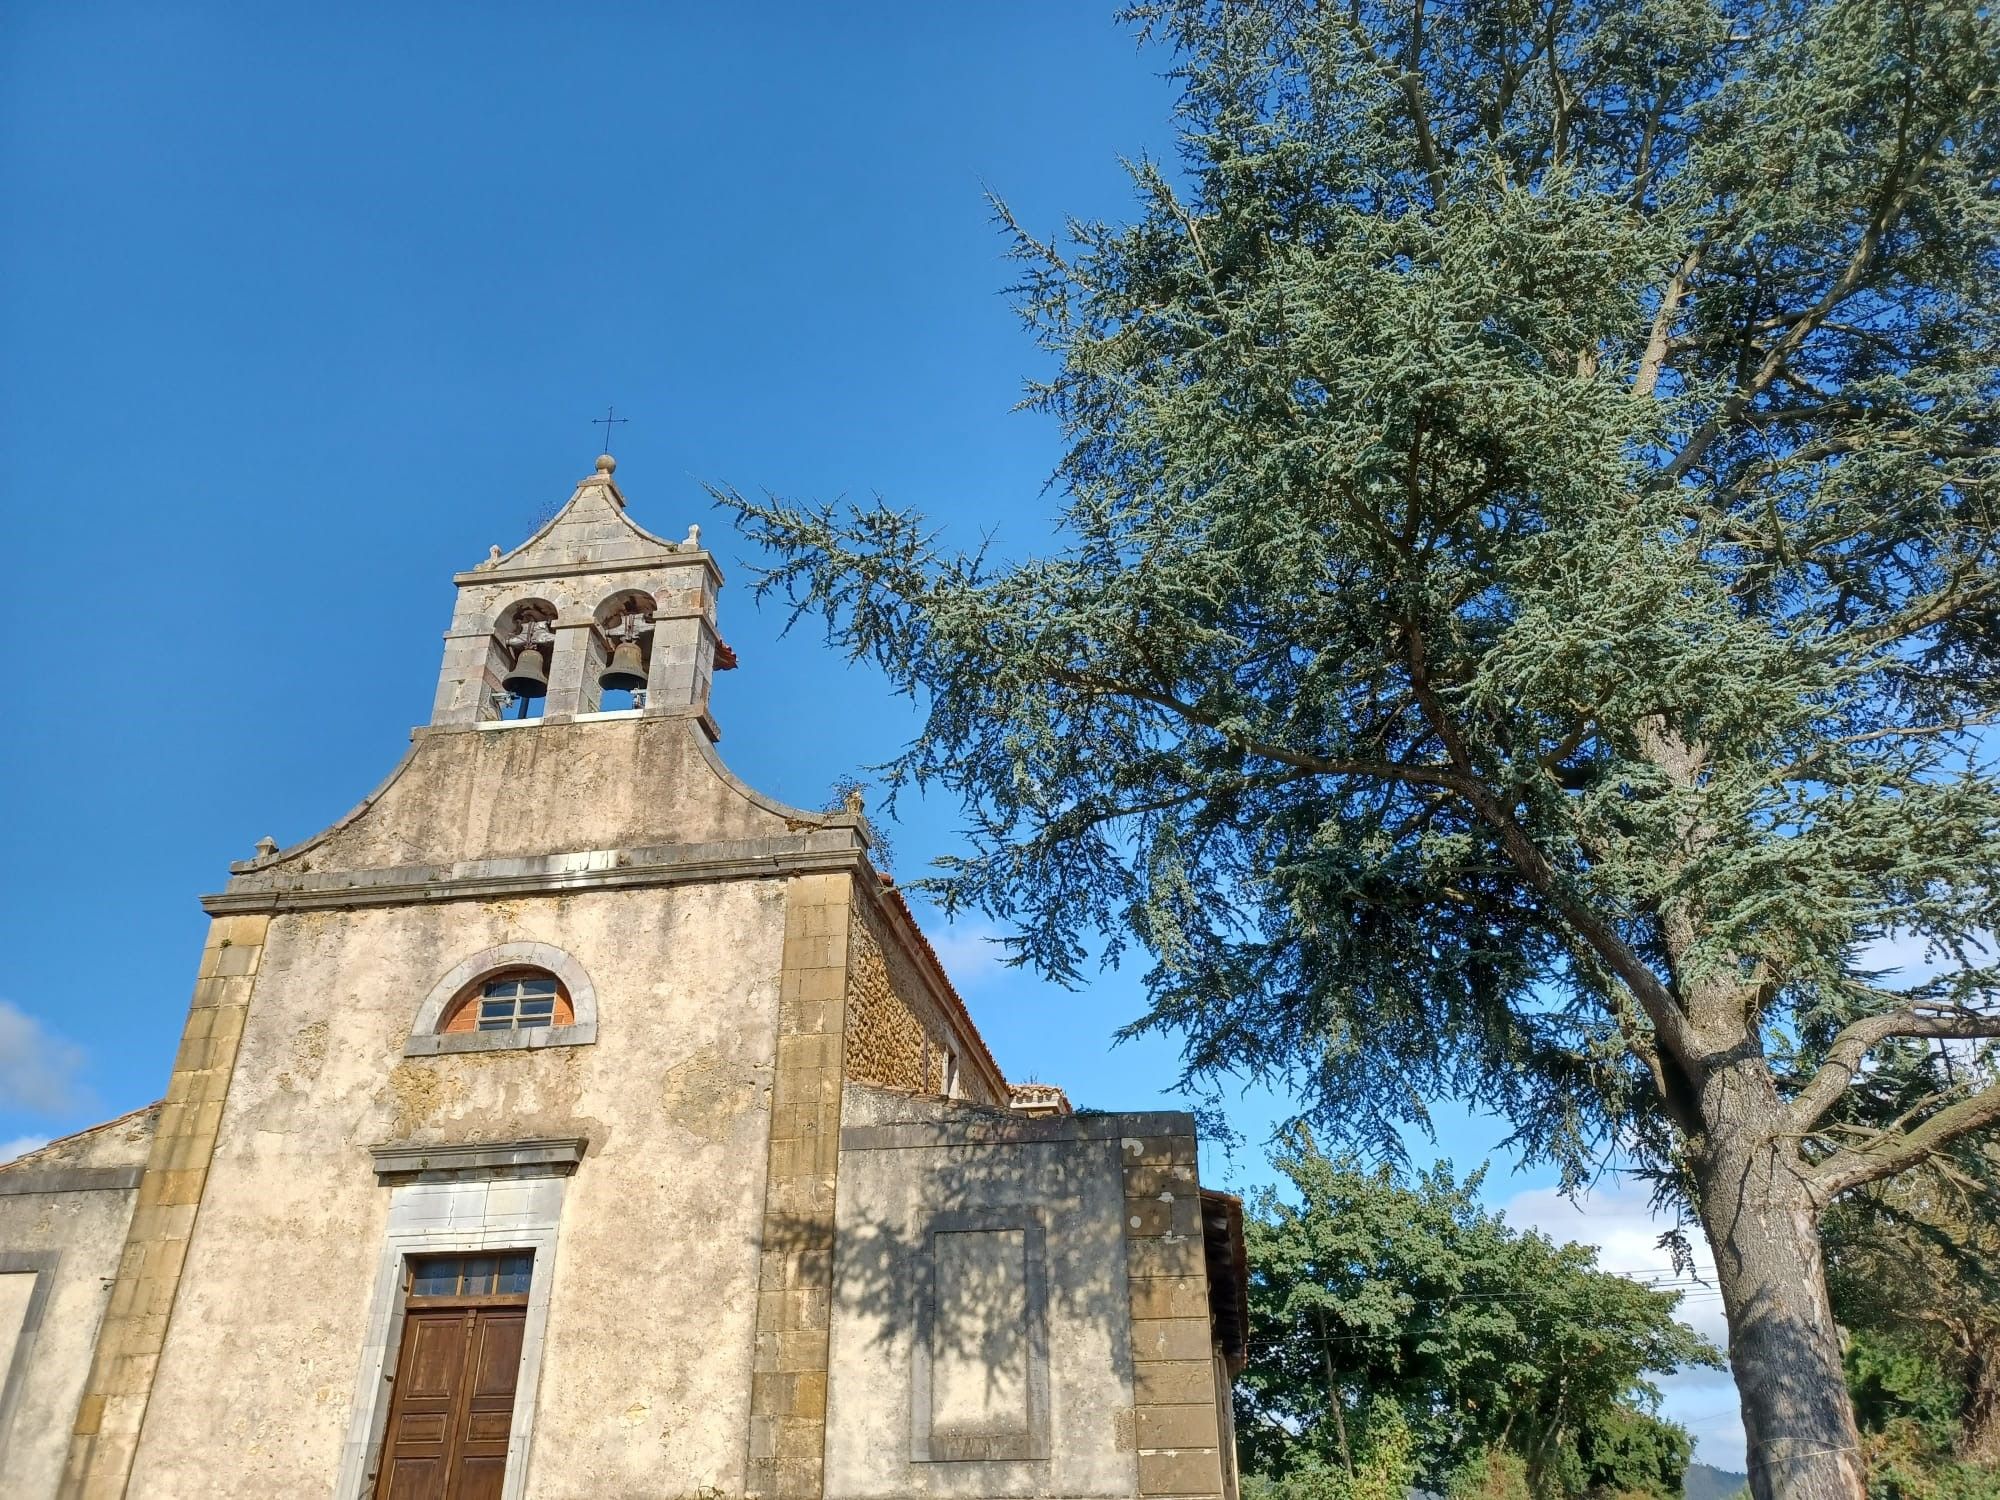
{"x":523,"y":645}
{"x":621,"y":650}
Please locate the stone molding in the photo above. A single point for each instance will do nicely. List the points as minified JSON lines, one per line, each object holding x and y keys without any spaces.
{"x":983,"y":1129}
{"x":478,"y":1159}
{"x":427,"y":1041}
{"x":71,"y":1179}
{"x":821,"y":851}
{"x":40,"y":1264}
{"x":968,"y":1454}
{"x":675,"y":556}
{"x":481,"y":1212}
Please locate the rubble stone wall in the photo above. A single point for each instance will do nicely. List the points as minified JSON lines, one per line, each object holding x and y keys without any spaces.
{"x":895,"y":1038}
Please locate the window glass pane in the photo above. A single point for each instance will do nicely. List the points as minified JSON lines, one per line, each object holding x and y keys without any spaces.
{"x":478,"y":1276}
{"x":538,"y":1007}
{"x":506,"y":1024}
{"x":495,"y":1009}
{"x":531,"y":1023}
{"x":434,"y":1278}
{"x":538,"y":986}
{"x":514,"y":1273}
{"x":503,"y":987}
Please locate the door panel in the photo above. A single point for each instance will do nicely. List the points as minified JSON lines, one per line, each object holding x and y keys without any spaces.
{"x":417,"y":1457}
{"x":480,"y":1478}
{"x":437,"y":1354}
{"x":496,"y":1356}
{"x":419,"y":1427}
{"x":416,"y":1479}
{"x":453,"y":1404}
{"x":493,"y":1366}
{"x":488,"y":1426}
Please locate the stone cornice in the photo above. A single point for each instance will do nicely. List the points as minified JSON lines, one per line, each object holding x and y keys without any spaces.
{"x":813,"y":851}
{"x":70,"y":1180}
{"x":478,"y":1159}
{"x":524,"y":572}
{"x":981,"y":1128}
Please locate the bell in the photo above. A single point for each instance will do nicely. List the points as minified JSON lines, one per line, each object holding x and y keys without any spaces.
{"x":528,"y":678}
{"x":626,"y":673}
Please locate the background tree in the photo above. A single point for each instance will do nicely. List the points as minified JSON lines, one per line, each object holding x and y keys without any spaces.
{"x":1525,"y":620}
{"x":1914,"y":1275}
{"x":1485,"y":1340}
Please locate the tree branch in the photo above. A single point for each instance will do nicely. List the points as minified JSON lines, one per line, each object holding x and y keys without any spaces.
{"x":1655,"y":357}
{"x":1851,"y":1167}
{"x":1410,"y":84}
{"x":1263,"y":749}
{"x":1891,"y":202}
{"x":1852,"y":1046}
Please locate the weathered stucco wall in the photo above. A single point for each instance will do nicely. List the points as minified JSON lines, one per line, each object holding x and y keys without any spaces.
{"x":910,"y":1172}
{"x":530,"y":788}
{"x":646,"y":1376}
{"x":71,"y":1231}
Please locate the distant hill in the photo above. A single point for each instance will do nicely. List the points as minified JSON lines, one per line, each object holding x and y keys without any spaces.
{"x":1704,"y":1482}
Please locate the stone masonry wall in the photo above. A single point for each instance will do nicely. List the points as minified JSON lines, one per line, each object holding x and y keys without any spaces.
{"x":106,"y":1433}
{"x":795,"y":1270}
{"x":887,"y":1044}
{"x":1173,"y":1384}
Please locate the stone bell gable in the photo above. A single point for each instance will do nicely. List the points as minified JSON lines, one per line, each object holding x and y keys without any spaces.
{"x":589,"y":580}
{"x":570,"y":1121}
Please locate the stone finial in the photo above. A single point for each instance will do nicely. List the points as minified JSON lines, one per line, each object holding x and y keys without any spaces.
{"x":693,"y":541}
{"x":606,"y":464}
{"x":493,"y":556}
{"x":853,"y":801}
{"x":266,"y":847}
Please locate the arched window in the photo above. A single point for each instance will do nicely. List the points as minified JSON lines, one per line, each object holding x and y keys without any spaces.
{"x":514,"y":1000}
{"x":515,"y":995}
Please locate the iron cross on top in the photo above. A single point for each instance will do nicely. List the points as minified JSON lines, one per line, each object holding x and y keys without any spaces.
{"x":605,"y":422}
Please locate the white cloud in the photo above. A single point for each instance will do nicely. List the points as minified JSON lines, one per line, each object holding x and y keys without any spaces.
{"x":37,"y":1068}
{"x":21,"y":1145}
{"x":1903,"y":953}
{"x":970,"y":952}
{"x":1615,"y":1217}
{"x":1909,"y":957}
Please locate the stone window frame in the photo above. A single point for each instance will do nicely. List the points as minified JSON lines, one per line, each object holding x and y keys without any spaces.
{"x":427,"y":1041}
{"x":1033,"y":1445}
{"x":492,"y":1197}
{"x":40,"y":1264}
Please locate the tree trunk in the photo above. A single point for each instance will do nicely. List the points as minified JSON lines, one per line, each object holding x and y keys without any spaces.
{"x":1784,"y":1347}
{"x":1979,"y":1432}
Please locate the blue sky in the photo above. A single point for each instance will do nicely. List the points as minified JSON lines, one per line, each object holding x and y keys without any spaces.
{"x":307,"y":305}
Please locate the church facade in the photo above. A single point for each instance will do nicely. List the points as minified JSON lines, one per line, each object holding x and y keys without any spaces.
{"x":571,"y":1122}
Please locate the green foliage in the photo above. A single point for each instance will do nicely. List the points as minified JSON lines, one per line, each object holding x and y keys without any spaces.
{"x":1629,"y":1452}
{"x":1894,"y":1381}
{"x":1489,"y":1474}
{"x":1365,"y":1290}
{"x":1527,"y":609}
{"x":1913,"y":1267}
{"x":1525,"y":619}
{"x":1383,"y":1465}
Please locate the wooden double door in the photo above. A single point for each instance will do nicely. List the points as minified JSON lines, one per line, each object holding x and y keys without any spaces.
{"x":452,"y":1405}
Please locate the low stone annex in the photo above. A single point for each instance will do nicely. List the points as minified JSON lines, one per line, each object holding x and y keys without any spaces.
{"x":571,"y":1122}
